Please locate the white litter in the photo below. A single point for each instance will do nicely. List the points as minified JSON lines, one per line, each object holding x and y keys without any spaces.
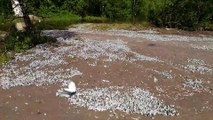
{"x":71,"y":88}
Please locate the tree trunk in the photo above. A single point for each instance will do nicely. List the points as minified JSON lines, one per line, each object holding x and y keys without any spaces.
{"x":133,"y":11}
{"x":27,"y":21}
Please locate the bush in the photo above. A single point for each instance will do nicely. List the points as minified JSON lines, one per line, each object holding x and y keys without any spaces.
{"x":186,"y":14}
{"x":21,"y":41}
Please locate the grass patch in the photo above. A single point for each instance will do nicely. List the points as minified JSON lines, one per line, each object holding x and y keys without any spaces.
{"x":21,"y":41}
{"x":7,"y":26}
{"x":52,"y":21}
{"x":206,"y":26}
{"x":5,"y":57}
{"x":123,"y":26}
{"x":57,"y":21}
{"x":93,"y":19}
{"x":64,"y":20}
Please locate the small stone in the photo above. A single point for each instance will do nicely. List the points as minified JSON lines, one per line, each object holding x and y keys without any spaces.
{"x":38,"y":112}
{"x":155,"y":79}
{"x":16,"y":108}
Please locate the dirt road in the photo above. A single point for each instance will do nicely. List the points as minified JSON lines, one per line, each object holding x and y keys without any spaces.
{"x":120,"y":74}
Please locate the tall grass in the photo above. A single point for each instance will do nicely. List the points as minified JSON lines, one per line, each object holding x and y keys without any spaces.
{"x":5,"y":24}
{"x":122,"y":26}
{"x":57,"y":21}
{"x":94,"y":19}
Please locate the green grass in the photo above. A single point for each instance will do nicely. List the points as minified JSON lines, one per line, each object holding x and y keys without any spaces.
{"x":206,"y":26}
{"x":5,"y":57}
{"x":93,"y":19}
{"x":20,"y":42}
{"x":6,"y":25}
{"x":52,"y":21}
{"x":64,"y":20}
{"x":57,"y":21}
{"x":123,"y":26}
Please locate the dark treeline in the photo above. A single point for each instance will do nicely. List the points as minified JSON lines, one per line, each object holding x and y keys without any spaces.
{"x":184,"y":14}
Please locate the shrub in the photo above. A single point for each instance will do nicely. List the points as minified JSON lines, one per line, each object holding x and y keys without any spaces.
{"x":186,"y":14}
{"x":21,"y":41}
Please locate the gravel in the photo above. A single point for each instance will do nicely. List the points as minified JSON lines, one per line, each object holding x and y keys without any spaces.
{"x":109,"y":50}
{"x":202,"y":47}
{"x":164,"y":74}
{"x":38,"y":67}
{"x":129,"y":100}
{"x":151,"y":35}
{"x":159,"y":37}
{"x":196,"y":84}
{"x":196,"y":65}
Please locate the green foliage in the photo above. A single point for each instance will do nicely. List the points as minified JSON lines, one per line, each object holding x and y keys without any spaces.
{"x":120,"y":10}
{"x":7,"y":26}
{"x":21,"y":41}
{"x":93,"y":19}
{"x":186,"y":14}
{"x":1,"y":18}
{"x":76,"y":6}
{"x":123,"y":26}
{"x":57,"y":21}
{"x":4,"y":57}
{"x":5,"y":8}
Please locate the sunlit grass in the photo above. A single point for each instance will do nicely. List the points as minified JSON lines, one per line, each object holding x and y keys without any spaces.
{"x":94,"y":19}
{"x":123,"y":26}
{"x":57,"y":21}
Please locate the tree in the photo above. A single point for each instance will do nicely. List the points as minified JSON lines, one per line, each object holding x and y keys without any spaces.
{"x":187,"y":14}
{"x":5,"y":8}
{"x":133,"y":10}
{"x":25,"y":12}
{"x":79,"y":7}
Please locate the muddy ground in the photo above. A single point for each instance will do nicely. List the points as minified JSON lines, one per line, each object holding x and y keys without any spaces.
{"x":175,"y":69}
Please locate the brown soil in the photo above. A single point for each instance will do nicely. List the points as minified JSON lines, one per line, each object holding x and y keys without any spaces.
{"x":41,"y":103}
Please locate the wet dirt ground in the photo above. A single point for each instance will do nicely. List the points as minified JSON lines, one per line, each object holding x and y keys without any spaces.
{"x":165,"y":79}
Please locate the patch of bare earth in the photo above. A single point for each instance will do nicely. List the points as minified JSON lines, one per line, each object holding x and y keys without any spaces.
{"x":119,"y":75}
